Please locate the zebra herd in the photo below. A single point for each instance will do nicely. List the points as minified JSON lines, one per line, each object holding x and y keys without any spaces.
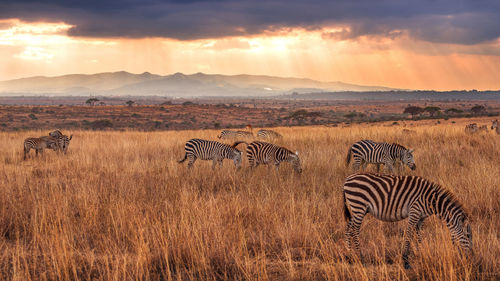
{"x":258,"y":152}
{"x":56,"y":141}
{"x":387,"y":197}
{"x":474,"y":128}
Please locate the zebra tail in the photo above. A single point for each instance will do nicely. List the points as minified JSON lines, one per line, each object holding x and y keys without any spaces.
{"x":183,"y":159}
{"x":347,"y":213}
{"x":348,"y":159}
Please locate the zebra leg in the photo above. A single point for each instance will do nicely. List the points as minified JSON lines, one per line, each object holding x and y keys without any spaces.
{"x":352,"y":232}
{"x":420,"y":224}
{"x":413,"y":220}
{"x":214,"y":163}
{"x":378,"y":167}
{"x":220,"y":162}
{"x":192,"y":159}
{"x":277,"y":165}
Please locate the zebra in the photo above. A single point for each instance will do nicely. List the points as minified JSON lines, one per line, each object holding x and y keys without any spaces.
{"x":211,"y":150}
{"x":471,"y":128}
{"x":228,"y":134}
{"x":39,"y":144}
{"x":367,"y":151}
{"x":62,"y":140}
{"x":56,"y":134}
{"x":268,"y":134}
{"x":394,"y":198}
{"x":259,"y":152}
{"x":494,"y":126}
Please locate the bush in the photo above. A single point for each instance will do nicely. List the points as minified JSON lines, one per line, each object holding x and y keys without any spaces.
{"x":101,"y":124}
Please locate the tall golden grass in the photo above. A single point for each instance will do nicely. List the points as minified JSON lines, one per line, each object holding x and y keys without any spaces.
{"x":118,"y":206}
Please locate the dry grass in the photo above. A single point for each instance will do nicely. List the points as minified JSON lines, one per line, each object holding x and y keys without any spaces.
{"x":119,"y":207}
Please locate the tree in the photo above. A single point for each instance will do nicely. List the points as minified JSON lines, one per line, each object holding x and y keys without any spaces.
{"x":91,"y":101}
{"x":130,"y":102}
{"x":413,"y":110}
{"x":432,"y":110}
{"x":478,"y":109}
{"x":453,"y":111}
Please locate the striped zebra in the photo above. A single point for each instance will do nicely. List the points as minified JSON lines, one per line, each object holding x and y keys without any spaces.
{"x":211,"y":150}
{"x":494,"y":126}
{"x":268,"y":134}
{"x":228,"y":134}
{"x":259,"y":152}
{"x":367,"y":151}
{"x":394,"y":198}
{"x":471,"y":128}
{"x":62,"y":140}
{"x":39,"y":144}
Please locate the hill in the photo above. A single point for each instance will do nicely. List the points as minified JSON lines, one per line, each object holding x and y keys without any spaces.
{"x":176,"y":85}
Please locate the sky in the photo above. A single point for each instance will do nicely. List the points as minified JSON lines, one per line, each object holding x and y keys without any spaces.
{"x":438,"y":44}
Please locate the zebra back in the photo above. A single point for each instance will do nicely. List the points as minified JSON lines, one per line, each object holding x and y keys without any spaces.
{"x":268,"y":134}
{"x":212,"y":150}
{"x":228,"y":134}
{"x":56,"y":134}
{"x":259,"y":152}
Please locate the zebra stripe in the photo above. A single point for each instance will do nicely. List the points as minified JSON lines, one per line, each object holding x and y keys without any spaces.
{"x":228,"y":134}
{"x":394,"y":198}
{"x":471,"y":128}
{"x":39,"y":144}
{"x":211,"y":150}
{"x":259,"y":152}
{"x":367,"y":151}
{"x":268,"y":134}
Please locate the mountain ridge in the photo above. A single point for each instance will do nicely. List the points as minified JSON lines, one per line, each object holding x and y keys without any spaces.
{"x":199,"y":84}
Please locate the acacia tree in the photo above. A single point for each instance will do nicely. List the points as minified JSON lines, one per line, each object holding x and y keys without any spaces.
{"x":432,"y":110}
{"x":130,"y":102}
{"x":91,"y":101}
{"x":413,"y":110}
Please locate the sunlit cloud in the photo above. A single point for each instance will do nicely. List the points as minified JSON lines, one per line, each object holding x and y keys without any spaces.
{"x":35,"y":53}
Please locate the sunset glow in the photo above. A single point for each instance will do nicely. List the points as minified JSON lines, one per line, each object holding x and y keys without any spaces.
{"x":393,"y":60}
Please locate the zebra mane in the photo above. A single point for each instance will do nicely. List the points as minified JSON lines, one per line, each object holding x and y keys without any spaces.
{"x":400,"y":146}
{"x":451,"y":197}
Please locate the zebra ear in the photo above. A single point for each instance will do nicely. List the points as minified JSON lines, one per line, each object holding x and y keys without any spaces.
{"x":70,"y":137}
{"x":411,"y":150}
{"x":297,"y":153}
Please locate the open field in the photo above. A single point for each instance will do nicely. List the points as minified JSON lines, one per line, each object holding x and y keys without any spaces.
{"x":221,"y":113}
{"x":118,"y":206}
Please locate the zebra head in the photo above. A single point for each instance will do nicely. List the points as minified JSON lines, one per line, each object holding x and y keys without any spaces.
{"x":295,"y":160}
{"x":408,"y":159}
{"x":236,"y":156}
{"x":462,"y":234}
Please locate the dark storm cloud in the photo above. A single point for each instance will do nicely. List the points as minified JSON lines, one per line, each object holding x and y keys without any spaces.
{"x":443,"y":21}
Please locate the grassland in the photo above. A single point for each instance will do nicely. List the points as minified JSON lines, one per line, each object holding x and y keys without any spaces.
{"x":119,"y":207}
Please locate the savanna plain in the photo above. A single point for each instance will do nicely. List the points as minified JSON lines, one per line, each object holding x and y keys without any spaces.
{"x":118,"y":206}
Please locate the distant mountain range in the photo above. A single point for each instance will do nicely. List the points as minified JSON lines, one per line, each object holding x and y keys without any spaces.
{"x":176,"y":85}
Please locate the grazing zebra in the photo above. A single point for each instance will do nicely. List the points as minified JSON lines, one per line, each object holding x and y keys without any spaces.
{"x":267,"y":153}
{"x":228,"y":134}
{"x":394,"y":198}
{"x":211,"y":150}
{"x":268,"y":134}
{"x":494,"y":126}
{"x":367,"y":151}
{"x":39,"y":144}
{"x":471,"y":128}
